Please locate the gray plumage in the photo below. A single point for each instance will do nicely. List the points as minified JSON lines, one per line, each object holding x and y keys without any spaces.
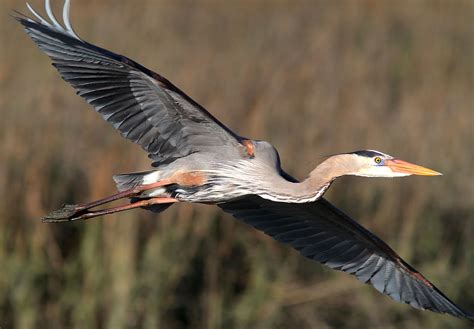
{"x":145,"y":107}
{"x":198,"y":159}
{"x":321,"y":232}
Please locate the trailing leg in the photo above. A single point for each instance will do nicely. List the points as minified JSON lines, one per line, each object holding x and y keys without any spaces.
{"x":70,"y":212}
{"x":73,"y":211}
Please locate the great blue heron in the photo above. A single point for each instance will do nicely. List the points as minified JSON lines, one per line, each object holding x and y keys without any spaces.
{"x":198,"y":159}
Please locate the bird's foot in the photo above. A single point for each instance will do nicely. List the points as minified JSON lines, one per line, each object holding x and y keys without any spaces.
{"x":68,"y":212}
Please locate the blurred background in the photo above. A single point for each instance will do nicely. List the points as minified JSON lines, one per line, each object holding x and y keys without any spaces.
{"x":314,"y":78}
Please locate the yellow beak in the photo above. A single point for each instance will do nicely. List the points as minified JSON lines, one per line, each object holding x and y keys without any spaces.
{"x":409,"y":168}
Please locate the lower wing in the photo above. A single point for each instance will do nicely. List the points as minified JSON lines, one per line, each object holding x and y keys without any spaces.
{"x":321,"y":232}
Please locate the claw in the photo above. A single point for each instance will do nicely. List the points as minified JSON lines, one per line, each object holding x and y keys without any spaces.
{"x":64,"y":214}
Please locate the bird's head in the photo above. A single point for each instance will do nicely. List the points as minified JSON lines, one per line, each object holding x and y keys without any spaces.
{"x":370,"y":163}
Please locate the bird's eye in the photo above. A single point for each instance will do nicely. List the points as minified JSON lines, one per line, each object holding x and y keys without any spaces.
{"x":378,"y":160}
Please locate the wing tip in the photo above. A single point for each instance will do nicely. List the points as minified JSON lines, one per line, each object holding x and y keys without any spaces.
{"x":468,"y":316}
{"x":50,"y":23}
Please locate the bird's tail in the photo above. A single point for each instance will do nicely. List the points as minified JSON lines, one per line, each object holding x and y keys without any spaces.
{"x":130,"y":180}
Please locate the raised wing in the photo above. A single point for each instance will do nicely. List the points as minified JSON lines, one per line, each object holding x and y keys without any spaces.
{"x":145,"y":107}
{"x":321,"y":232}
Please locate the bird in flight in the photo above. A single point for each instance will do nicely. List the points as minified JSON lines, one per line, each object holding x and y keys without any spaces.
{"x":198,"y":159}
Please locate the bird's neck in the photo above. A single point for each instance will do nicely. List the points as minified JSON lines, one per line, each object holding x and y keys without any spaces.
{"x":330,"y":169}
{"x":322,"y":177}
{"x":277,"y":188}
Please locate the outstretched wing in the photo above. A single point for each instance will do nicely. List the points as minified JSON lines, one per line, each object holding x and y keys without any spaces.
{"x":144,"y":106}
{"x":321,"y":232}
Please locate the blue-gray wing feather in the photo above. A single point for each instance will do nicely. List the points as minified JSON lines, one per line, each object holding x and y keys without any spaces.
{"x":321,"y":232}
{"x":145,"y":107}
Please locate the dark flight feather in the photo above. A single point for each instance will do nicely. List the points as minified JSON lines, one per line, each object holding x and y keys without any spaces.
{"x":321,"y":232}
{"x":144,"y":106}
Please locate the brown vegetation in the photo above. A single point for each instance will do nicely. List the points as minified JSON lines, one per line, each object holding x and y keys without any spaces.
{"x":314,"y":78}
